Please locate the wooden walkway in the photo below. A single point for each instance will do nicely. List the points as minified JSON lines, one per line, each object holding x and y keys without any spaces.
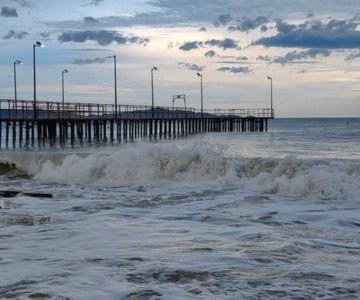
{"x":55,"y":123}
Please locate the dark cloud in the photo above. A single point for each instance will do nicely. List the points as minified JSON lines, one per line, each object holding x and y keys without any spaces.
{"x":296,"y":56}
{"x":264,"y":58}
{"x":222,"y":20}
{"x":341,"y":25}
{"x":283,"y":27}
{"x":190,"y":46}
{"x":352,"y":56}
{"x":246,"y":24}
{"x":96,"y":2}
{"x":224,"y":44}
{"x":12,"y":34}
{"x":45,"y":35}
{"x":88,"y":61}
{"x":264,"y":28}
{"x":242,"y":58}
{"x":210,"y":53}
{"x":237,"y":70}
{"x":335,"y":34}
{"x":90,"y":21}
{"x":8,"y":12}
{"x":300,"y":55}
{"x":102,"y":37}
{"x":192,"y":67}
{"x":202,"y":29}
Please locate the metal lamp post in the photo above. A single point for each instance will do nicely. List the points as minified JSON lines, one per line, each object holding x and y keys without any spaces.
{"x":37,"y":44}
{"x":62,"y":81}
{"x":271,"y":94}
{"x":115,"y":83}
{"x":152,"y":89}
{"x":16,"y":62}
{"x":202,"y":98}
{"x":175,"y":97}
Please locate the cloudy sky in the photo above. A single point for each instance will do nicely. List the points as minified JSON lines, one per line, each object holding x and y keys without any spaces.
{"x":310,"y":48}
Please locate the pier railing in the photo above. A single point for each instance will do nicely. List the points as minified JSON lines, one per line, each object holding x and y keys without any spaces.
{"x":46,"y":110}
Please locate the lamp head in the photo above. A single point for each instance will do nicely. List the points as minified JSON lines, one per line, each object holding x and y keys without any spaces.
{"x":154,"y":69}
{"x":269,"y":78}
{"x":199,"y":74}
{"x":18,"y":62}
{"x":38,"y":44}
{"x":66,"y":71}
{"x":111,"y":56}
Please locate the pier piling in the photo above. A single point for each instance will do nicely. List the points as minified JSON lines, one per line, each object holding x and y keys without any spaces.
{"x":58,"y":124}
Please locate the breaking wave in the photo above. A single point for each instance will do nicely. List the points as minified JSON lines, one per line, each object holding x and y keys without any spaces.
{"x":170,"y":163}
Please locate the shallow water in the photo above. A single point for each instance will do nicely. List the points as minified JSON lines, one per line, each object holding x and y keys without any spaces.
{"x":215,"y":216}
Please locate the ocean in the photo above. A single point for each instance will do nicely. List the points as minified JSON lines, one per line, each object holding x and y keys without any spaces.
{"x":212,"y":216}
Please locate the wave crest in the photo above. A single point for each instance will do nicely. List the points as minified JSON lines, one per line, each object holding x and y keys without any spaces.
{"x":159,"y":164}
{"x":326,"y":179}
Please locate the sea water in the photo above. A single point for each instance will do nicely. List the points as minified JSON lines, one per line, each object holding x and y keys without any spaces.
{"x":213,"y":216}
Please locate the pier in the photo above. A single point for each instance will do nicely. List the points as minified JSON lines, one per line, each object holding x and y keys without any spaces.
{"x":57,"y":123}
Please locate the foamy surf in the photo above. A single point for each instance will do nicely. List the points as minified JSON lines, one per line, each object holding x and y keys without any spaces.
{"x":191,"y":163}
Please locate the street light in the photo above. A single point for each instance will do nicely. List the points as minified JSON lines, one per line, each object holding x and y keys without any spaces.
{"x":152,"y":89}
{"x":62,"y":77}
{"x":271,"y":95}
{"x":202,"y":98}
{"x":37,"y":44}
{"x":175,"y":97}
{"x":16,"y":62}
{"x":115,"y":83}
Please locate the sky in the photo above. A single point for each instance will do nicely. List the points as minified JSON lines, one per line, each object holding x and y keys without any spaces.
{"x":311,"y":49}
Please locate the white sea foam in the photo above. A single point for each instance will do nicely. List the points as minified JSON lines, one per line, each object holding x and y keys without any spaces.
{"x":190,"y":163}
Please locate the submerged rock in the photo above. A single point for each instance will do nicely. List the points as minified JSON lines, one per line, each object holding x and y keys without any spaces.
{"x":40,"y":296}
{"x":143,"y":295}
{"x":24,"y":220}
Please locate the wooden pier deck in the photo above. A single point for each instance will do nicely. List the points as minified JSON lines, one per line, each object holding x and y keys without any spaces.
{"x":54,"y":123}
